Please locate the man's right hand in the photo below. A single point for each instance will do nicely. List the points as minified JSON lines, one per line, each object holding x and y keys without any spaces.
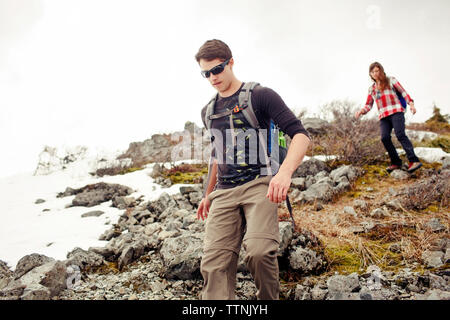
{"x":358,"y":114}
{"x":203,"y":209}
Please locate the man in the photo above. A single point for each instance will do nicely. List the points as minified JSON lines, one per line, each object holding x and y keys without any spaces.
{"x":240,"y":200}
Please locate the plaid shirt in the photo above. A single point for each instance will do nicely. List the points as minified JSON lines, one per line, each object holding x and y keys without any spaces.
{"x":387,"y":101}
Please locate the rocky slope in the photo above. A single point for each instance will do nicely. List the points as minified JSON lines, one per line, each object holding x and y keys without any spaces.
{"x":154,"y":249}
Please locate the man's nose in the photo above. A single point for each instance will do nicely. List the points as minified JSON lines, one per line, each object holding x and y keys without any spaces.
{"x":213,"y":77}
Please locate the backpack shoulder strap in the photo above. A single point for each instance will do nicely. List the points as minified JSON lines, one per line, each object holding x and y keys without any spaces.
{"x":245,"y":100}
{"x":210,"y":111}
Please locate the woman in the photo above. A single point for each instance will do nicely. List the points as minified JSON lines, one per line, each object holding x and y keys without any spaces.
{"x":391,"y":115}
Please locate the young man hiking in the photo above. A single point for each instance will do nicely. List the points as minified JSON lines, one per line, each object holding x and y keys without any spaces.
{"x":242,"y":194}
{"x":388,"y":93}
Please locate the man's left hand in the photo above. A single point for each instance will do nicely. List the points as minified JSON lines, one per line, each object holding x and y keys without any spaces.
{"x":278,"y":187}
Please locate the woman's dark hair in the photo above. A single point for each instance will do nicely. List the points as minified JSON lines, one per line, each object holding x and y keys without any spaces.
{"x":213,"y":49}
{"x":384,"y":81}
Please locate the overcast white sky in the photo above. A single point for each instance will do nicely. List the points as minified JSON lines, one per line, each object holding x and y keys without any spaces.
{"x":106,"y":73}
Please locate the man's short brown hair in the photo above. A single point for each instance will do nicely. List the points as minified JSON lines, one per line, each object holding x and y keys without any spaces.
{"x":213,"y":49}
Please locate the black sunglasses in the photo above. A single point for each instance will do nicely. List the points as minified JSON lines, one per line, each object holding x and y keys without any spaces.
{"x":215,"y":70}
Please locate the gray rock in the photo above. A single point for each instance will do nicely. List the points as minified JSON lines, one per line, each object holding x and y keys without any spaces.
{"x":305,"y":260}
{"x":185,"y":190}
{"x":317,"y":191}
{"x":4,"y":270}
{"x":286,"y":236}
{"x":317,"y":293}
{"x":299,"y":183}
{"x":195,"y":198}
{"x":350,"y":210}
{"x":156,"y":171}
{"x":123,"y":202}
{"x":105,"y":252}
{"x":153,"y":228}
{"x":399,"y":174}
{"x":393,"y":192}
{"x":310,"y":167}
{"x":126,"y":257}
{"x":164,"y":202}
{"x":36,"y":291}
{"x":109,"y":234}
{"x":437,"y":282}
{"x":155,"y":149}
{"x":181,"y":256}
{"x":360,"y":204}
{"x":379,"y":213}
{"x":94,"y":194}
{"x":84,"y":259}
{"x":95,"y":213}
{"x":302,"y":293}
{"x":394,"y":204}
{"x":39,"y":201}
{"x":51,"y":275}
{"x":433,"y":259}
{"x":435,"y":225}
{"x":447,"y":256}
{"x":348,"y":171}
{"x":29,"y":262}
{"x":437,"y":294}
{"x":342,"y":184}
{"x":340,"y":286}
{"x":13,"y":290}
{"x":144,"y":214}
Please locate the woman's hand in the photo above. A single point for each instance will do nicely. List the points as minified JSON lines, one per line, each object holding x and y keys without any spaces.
{"x":413,"y":109}
{"x":358,"y":114}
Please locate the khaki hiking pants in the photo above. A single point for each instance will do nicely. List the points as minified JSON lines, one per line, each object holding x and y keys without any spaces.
{"x":227,"y":226}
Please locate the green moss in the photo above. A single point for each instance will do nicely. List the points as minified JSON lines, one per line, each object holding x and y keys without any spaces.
{"x":432,"y":208}
{"x":189,"y":174}
{"x":342,"y":258}
{"x":345,"y":259}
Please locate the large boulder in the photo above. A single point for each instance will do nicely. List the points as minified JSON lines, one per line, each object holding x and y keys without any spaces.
{"x":94,"y":194}
{"x":310,"y":167}
{"x":340,"y":286}
{"x":156,"y":149}
{"x":40,"y":283}
{"x":181,"y":256}
{"x":29,"y":262}
{"x":316,"y":192}
{"x":305,"y":260}
{"x":84,"y":259}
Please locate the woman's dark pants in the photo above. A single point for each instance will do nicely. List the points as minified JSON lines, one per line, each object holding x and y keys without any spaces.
{"x":396,"y":121}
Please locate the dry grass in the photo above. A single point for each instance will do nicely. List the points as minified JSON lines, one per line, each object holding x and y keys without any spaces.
{"x":347,"y":251}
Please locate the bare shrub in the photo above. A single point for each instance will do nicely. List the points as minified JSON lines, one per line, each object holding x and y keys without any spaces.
{"x":435,"y":189}
{"x":351,"y":140}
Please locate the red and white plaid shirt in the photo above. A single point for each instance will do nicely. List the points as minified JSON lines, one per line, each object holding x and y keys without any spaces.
{"x":387,"y":101}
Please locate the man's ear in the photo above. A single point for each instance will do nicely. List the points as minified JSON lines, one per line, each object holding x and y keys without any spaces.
{"x":231,"y":63}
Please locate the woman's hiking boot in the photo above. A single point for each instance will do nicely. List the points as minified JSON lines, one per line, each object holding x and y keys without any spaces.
{"x":413,"y":166}
{"x":392,"y":167}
